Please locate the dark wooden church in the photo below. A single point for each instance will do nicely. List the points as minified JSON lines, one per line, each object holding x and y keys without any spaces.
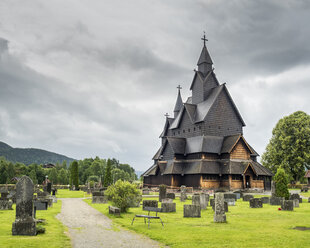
{"x":203,"y":144}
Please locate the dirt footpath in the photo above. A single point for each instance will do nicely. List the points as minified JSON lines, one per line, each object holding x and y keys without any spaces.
{"x":90,"y":228}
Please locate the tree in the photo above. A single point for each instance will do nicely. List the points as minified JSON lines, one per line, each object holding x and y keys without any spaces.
{"x":108,"y":174}
{"x":122,"y":194}
{"x":75,"y":174}
{"x":53,"y":176}
{"x":281,"y":182}
{"x":289,"y":146}
{"x":33,"y":176}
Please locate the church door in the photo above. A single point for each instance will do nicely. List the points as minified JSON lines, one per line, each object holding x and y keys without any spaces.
{"x":247,"y":181}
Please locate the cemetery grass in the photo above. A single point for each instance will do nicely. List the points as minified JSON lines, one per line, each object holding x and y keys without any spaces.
{"x":66,"y":193}
{"x":54,"y":235}
{"x":246,"y":227}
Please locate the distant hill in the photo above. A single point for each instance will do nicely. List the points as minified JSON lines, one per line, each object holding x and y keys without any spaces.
{"x":31,"y":155}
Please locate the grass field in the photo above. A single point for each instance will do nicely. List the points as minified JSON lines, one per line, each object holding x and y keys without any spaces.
{"x":65,"y":193}
{"x":54,"y":231}
{"x":246,"y":227}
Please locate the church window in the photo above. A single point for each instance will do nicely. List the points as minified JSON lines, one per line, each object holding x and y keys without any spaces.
{"x":199,"y":127}
{"x":173,"y":133}
{"x":183,"y":130}
{"x":189,"y":130}
{"x":210,"y":177}
{"x":178,"y":132}
{"x":225,"y":177}
{"x":194,"y":129}
{"x":236,"y":177}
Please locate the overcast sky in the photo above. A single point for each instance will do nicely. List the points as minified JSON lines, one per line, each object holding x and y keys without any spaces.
{"x":95,"y":78}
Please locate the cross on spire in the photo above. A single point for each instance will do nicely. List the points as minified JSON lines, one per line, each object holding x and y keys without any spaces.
{"x":179,"y":87}
{"x":167,"y":115}
{"x":204,"y":38}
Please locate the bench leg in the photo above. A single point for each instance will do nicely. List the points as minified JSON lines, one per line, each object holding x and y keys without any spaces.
{"x":161,"y":221}
{"x":133,"y":220}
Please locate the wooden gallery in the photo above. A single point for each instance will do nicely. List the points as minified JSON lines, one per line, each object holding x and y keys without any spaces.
{"x":202,"y":145}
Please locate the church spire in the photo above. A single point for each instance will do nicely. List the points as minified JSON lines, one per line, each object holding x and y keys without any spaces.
{"x":205,"y":61}
{"x":179,"y":102}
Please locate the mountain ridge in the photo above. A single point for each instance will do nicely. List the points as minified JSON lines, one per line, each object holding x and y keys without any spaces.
{"x":31,"y":155}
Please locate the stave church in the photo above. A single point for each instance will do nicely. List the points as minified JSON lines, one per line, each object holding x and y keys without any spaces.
{"x":202,"y":145}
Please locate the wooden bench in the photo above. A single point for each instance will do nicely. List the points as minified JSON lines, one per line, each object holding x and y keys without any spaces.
{"x":149,"y":217}
{"x":114,"y":210}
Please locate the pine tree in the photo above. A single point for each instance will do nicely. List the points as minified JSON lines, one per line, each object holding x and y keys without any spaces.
{"x":281,"y":182}
{"x":108,"y":174}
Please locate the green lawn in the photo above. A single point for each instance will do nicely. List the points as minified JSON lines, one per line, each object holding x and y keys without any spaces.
{"x":65,"y":193}
{"x":54,"y":230}
{"x":246,"y":227}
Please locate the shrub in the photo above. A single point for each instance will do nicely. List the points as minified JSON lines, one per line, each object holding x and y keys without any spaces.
{"x":281,"y":182}
{"x":122,"y":194}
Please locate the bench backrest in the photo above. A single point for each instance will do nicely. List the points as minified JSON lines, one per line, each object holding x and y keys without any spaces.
{"x":152,"y":209}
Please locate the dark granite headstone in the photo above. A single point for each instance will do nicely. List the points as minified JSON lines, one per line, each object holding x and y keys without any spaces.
{"x":287,"y":205}
{"x":265,"y":200}
{"x":40,"y":205}
{"x":219,"y":208}
{"x":256,"y":203}
{"x":24,"y":223}
{"x":276,"y":201}
{"x":49,"y":188}
{"x":168,"y":207}
{"x":150,"y":203}
{"x":170,"y":195}
{"x":230,"y":196}
{"x":191,"y":211}
{"x":247,"y":197}
{"x":162,"y":192}
{"x":296,"y":196}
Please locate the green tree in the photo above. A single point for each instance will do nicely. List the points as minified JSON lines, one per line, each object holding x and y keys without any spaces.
{"x":289,"y":146}
{"x":122,"y":194}
{"x":108,"y":174}
{"x":281,"y":182}
{"x":52,"y":176}
{"x":33,"y":176}
{"x":62,"y":177}
{"x":75,"y":174}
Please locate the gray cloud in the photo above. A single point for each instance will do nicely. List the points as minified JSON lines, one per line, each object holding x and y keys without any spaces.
{"x":97,"y":80}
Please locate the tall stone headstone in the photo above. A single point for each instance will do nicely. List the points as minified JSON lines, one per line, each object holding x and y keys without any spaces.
{"x":287,"y":205}
{"x":183,"y":196}
{"x":162,"y":191}
{"x":273,"y":188}
{"x":219,"y":208}
{"x":203,"y":201}
{"x":196,"y":199}
{"x":49,"y":187}
{"x":24,"y":223}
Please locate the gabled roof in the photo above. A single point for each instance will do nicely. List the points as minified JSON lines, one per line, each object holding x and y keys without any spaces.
{"x":179,"y":103}
{"x":231,"y":141}
{"x":191,"y":111}
{"x":168,"y":123}
{"x":204,"y":57}
{"x":177,"y":144}
{"x":307,"y":173}
{"x":203,"y":78}
{"x":206,"y":144}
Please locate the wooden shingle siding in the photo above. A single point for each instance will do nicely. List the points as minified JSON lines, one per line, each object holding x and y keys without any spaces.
{"x":168,"y":153}
{"x":240,"y":151}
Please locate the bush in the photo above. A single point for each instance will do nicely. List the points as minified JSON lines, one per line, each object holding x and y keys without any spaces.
{"x":122,"y":194}
{"x":281,"y":182}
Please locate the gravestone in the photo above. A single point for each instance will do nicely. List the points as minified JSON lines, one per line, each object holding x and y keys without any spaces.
{"x":230,"y":196}
{"x":287,"y":205}
{"x":212,"y":203}
{"x":296,"y":203}
{"x":49,"y":188}
{"x":5,"y":202}
{"x":203,"y":201}
{"x":162,"y":192}
{"x":40,"y":205}
{"x":170,"y":195}
{"x":207,"y":199}
{"x":99,"y":197}
{"x":183,"y":196}
{"x":54,"y":191}
{"x":191,"y":211}
{"x":167,"y":200}
{"x":219,"y":209}
{"x":238,"y":194}
{"x":24,"y":223}
{"x":265,"y":200}
{"x":247,"y":197}
{"x":168,"y":207}
{"x":273,"y":189}
{"x":296,"y":196}
{"x":150,"y":203}
{"x":276,"y":201}
{"x":230,"y":201}
{"x":196,"y":199}
{"x":256,"y":203}
{"x":309,"y":199}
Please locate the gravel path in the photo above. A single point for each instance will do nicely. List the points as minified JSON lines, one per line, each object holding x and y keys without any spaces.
{"x":90,"y":228}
